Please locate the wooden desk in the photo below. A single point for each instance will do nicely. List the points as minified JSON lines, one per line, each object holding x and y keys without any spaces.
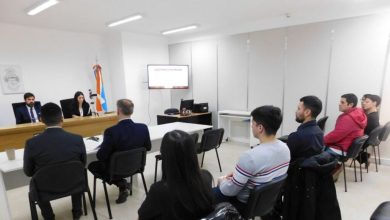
{"x":196,"y":118}
{"x":16,"y":136}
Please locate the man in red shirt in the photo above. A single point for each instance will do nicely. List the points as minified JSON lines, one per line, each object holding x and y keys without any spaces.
{"x":349,"y":125}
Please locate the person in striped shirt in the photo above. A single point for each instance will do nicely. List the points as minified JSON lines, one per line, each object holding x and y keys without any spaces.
{"x":265,"y":162}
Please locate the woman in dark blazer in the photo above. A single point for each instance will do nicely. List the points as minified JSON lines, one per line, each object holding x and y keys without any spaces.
{"x":183,"y":193}
{"x":80,"y":107}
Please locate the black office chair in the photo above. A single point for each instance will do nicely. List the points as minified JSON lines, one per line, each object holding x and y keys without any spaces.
{"x":383,"y":137}
{"x":321,"y":122}
{"x":66,"y":106}
{"x":373,"y":141}
{"x":58,"y":181}
{"x":123,"y":164}
{"x":353,"y":152}
{"x":18,"y":104}
{"x":263,"y":198}
{"x":211,"y":139}
{"x":194,"y":136}
{"x":382,"y":212}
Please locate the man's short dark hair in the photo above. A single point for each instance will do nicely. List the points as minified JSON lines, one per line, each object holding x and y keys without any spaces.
{"x":374,"y":98}
{"x":270,"y":117}
{"x":351,"y":99}
{"x":28,"y":95}
{"x":313,"y":103}
{"x":51,"y":114}
{"x":126,"y":106}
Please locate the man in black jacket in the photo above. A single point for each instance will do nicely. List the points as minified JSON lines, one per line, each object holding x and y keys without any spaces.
{"x":53,"y":146}
{"x":308,"y":140}
{"x":125,"y":135}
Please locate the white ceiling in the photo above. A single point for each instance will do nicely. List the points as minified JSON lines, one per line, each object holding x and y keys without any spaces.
{"x":215,"y":17}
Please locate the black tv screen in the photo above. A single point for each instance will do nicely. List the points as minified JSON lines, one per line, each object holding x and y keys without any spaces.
{"x":168,"y":76}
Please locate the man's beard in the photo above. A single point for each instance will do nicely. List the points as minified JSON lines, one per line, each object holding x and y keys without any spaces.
{"x":31,"y":104}
{"x":299,"y":120}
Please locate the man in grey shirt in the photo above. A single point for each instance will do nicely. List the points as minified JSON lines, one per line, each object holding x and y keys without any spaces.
{"x":265,"y":162}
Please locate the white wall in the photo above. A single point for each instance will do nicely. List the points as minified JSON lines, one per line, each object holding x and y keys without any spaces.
{"x":138,"y":51}
{"x":55,"y":64}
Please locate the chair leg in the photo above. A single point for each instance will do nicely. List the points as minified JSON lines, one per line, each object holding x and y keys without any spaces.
{"x":366,"y":150}
{"x":201,"y":165}
{"x":376,"y":163}
{"x":360,"y":165}
{"x":219,"y":163}
{"x":33,"y":209}
{"x":354,"y":169}
{"x":131,"y":185}
{"x":94,"y":192}
{"x":345,"y":178}
{"x":84,"y":204}
{"x":107,"y":200}
{"x":92,"y":202}
{"x":155,"y":171}
{"x":379,"y":155}
{"x":143,"y":180}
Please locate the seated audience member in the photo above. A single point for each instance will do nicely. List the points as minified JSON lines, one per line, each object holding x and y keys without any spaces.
{"x":80,"y":107}
{"x":182,"y":193}
{"x":29,"y":113}
{"x":308,"y":140}
{"x":53,"y":146}
{"x":125,"y":135}
{"x":349,"y":125}
{"x":370,"y":107}
{"x":263,"y":163}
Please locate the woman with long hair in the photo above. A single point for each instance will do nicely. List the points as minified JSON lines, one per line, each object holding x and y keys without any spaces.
{"x":80,"y":107}
{"x":182,"y":193}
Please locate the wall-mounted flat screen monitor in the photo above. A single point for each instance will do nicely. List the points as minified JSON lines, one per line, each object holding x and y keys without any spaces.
{"x":168,"y":76}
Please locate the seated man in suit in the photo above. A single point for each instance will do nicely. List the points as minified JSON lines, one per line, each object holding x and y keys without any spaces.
{"x":53,"y":146}
{"x":29,"y":113}
{"x":125,"y":135}
{"x":308,"y":140}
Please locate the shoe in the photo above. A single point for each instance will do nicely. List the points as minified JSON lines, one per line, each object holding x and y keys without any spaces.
{"x":123,"y":194}
{"x":77,"y":215}
{"x":336,"y":172}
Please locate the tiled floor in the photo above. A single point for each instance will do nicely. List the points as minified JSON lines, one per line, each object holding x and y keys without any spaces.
{"x":357,"y":204}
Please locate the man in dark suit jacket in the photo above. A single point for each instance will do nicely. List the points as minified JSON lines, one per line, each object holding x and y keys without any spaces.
{"x":125,"y":135}
{"x":308,"y":140}
{"x":53,"y":146}
{"x":28,"y":113}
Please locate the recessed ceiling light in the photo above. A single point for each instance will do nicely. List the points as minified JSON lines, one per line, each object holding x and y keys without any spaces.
{"x":180,"y":29}
{"x":42,"y":6}
{"x":124,"y":20}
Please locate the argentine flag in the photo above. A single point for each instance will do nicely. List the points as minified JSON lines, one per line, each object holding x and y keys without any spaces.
{"x":101,"y":102}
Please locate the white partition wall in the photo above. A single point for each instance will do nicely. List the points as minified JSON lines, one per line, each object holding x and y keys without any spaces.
{"x":181,"y":54}
{"x":233,"y":73}
{"x":204,"y":75}
{"x":266,"y":68}
{"x":307,"y":66}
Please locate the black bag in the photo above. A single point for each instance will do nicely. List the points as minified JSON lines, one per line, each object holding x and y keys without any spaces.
{"x":223,"y":211}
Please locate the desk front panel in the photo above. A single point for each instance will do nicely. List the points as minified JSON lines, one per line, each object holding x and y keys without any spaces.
{"x":16,"y":136}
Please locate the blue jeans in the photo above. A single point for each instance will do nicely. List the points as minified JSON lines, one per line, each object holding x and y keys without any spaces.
{"x":219,"y":197}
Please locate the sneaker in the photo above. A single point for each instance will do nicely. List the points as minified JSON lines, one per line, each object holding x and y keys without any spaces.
{"x":77,"y":215}
{"x":123,"y":194}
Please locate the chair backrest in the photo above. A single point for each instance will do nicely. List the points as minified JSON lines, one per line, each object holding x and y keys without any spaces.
{"x":211,"y":139}
{"x":66,"y":106}
{"x":373,"y":137}
{"x":356,"y":146}
{"x":262,"y":199}
{"x":385,"y":132}
{"x":127,"y":163}
{"x":321,"y":122}
{"x":18,"y":104}
{"x":58,"y":180}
